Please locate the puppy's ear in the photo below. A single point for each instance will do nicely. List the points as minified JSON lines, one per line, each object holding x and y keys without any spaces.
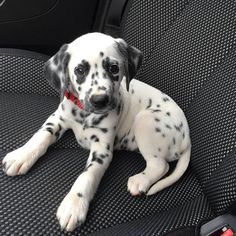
{"x":55,"y":70}
{"x":132,"y":59}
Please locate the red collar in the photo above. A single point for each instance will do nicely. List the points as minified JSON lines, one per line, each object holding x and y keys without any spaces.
{"x":69,"y":95}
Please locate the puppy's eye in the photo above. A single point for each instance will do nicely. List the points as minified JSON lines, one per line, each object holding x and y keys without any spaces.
{"x":79,"y":70}
{"x":114,"y":69}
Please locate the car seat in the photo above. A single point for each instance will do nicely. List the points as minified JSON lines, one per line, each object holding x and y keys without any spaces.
{"x":189,"y":52}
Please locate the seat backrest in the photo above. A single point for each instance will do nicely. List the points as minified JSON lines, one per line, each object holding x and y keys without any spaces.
{"x":190,"y":54}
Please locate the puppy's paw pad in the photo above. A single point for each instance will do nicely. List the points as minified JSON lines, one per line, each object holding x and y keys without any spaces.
{"x":17,"y":162}
{"x":72,"y":212}
{"x":138,"y":184}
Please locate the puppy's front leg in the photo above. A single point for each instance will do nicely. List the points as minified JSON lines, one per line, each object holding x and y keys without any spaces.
{"x":74,"y":207}
{"x":21,"y":160}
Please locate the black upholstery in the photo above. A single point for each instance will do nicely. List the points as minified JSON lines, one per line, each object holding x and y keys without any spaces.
{"x":189,"y":53}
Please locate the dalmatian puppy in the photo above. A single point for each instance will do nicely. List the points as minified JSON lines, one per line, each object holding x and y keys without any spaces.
{"x":106,"y":111}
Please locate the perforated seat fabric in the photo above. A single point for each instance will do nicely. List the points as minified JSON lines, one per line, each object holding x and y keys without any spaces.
{"x":189,"y":53}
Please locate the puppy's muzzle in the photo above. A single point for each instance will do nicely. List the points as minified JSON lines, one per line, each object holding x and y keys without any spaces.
{"x":99,"y":101}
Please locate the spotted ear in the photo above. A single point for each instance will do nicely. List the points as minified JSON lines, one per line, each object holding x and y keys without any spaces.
{"x":55,"y":70}
{"x":132,"y":58}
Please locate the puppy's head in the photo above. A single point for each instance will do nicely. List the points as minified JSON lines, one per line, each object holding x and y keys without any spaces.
{"x":92,"y":67}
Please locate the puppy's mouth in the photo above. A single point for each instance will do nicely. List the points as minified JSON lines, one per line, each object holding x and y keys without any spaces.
{"x":100,"y":107}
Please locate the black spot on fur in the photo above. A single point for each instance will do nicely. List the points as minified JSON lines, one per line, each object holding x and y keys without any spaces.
{"x":93,"y":76}
{"x":82,"y":115}
{"x":176,"y":155}
{"x":57,"y":134}
{"x":122,"y":138}
{"x":143,"y":173}
{"x":104,"y":130}
{"x":94,"y":138}
{"x":165,"y":99}
{"x":132,"y":91}
{"x":168,"y":126}
{"x":125,"y":141}
{"x":159,"y":149}
{"x":118,"y":109}
{"x":132,"y":140}
{"x":104,"y":75}
{"x":183,"y":135}
{"x":168,"y":113}
{"x":79,"y":88}
{"x":96,"y":73}
{"x":101,"y":54}
{"x":156,"y":110}
{"x":102,"y":156}
{"x":50,"y":130}
{"x":158,"y":105}
{"x":96,"y":65}
{"x":81,"y":77}
{"x":62,"y":107}
{"x":73,"y":111}
{"x":177,"y":128}
{"x":79,"y":194}
{"x":157,"y":119}
{"x":174,"y":141}
{"x":158,"y":130}
{"x":86,"y":126}
{"x":96,"y":159}
{"x":51,"y":124}
{"x":98,"y":120}
{"x":79,"y":121}
{"x":163,"y":135}
{"x":96,"y":82}
{"x":108,"y":147}
{"x":149,"y":103}
{"x":101,"y":88}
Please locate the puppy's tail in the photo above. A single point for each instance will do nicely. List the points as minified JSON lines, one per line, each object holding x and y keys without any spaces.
{"x":179,"y":170}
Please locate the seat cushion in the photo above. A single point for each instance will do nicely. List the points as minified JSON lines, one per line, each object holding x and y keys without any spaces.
{"x":182,"y":218}
{"x":21,"y":72}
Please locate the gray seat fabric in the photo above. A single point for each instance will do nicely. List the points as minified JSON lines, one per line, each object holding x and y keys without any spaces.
{"x":189,"y":53}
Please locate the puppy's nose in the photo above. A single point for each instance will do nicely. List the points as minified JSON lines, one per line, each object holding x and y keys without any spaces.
{"x":99,"y":101}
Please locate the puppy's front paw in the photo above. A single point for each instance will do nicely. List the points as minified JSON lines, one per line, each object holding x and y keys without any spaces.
{"x":73,"y":211}
{"x":17,"y":162}
{"x":138,"y":184}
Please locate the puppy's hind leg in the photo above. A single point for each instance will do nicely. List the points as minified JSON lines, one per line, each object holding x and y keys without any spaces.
{"x":156,"y":165}
{"x":21,"y":160}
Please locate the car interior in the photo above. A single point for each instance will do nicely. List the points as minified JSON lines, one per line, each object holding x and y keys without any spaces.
{"x":189,"y":53}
